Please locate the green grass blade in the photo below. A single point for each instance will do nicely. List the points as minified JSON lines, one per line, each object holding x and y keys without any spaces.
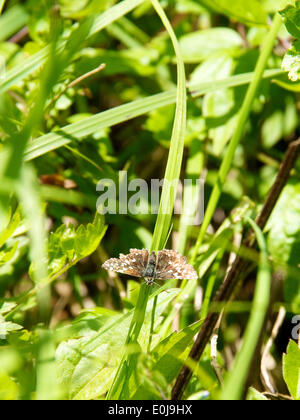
{"x":127,"y":366}
{"x":242,"y":119}
{"x":2,"y":2}
{"x":35,"y":62}
{"x":177,"y":144}
{"x":52,"y":141}
{"x":235,"y":382}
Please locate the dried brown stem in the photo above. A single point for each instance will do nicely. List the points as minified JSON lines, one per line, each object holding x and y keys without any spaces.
{"x":239,"y":266}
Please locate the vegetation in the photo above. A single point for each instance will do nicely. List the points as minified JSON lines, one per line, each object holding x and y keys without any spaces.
{"x":149,"y":89}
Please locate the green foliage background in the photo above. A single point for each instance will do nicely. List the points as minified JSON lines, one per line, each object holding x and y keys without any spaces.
{"x":188,"y":89}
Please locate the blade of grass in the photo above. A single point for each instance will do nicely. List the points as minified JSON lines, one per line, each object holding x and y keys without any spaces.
{"x":127,"y":367}
{"x":233,"y":388}
{"x":88,"y":126}
{"x":242,"y":119}
{"x":35,"y":62}
{"x":2,"y":2}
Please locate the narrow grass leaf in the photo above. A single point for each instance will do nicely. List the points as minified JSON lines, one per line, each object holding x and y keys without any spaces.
{"x":109,"y":118}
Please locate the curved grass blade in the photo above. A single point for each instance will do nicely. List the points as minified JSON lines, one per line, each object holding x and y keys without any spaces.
{"x":126,"y":370}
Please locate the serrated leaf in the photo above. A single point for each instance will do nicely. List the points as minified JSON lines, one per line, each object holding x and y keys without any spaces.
{"x":291,"y":369}
{"x":68,"y":245}
{"x":291,"y":18}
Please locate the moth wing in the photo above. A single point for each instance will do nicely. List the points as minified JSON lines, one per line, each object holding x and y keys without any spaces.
{"x":172,"y":265}
{"x":132,"y":264}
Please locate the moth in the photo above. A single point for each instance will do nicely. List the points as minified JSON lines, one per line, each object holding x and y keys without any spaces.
{"x":163,"y":265}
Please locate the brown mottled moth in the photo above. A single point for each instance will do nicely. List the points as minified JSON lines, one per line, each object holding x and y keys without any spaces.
{"x":163,"y":265}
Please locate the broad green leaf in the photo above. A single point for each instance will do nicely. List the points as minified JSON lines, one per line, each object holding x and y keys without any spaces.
{"x":284,"y":237}
{"x":291,"y":60}
{"x":217,"y":67}
{"x":281,"y":123}
{"x":249,"y":12}
{"x":291,"y":18}
{"x":87,"y":366}
{"x":198,"y":45}
{"x":89,"y":322}
{"x":291,"y":369}
{"x":7,"y":327}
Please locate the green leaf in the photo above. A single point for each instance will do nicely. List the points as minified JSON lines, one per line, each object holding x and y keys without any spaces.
{"x":68,"y":245}
{"x":87,"y":365}
{"x":291,"y":369}
{"x":291,"y":18}
{"x":6,"y":307}
{"x":7,"y":327}
{"x":198,"y":45}
{"x":249,"y":12}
